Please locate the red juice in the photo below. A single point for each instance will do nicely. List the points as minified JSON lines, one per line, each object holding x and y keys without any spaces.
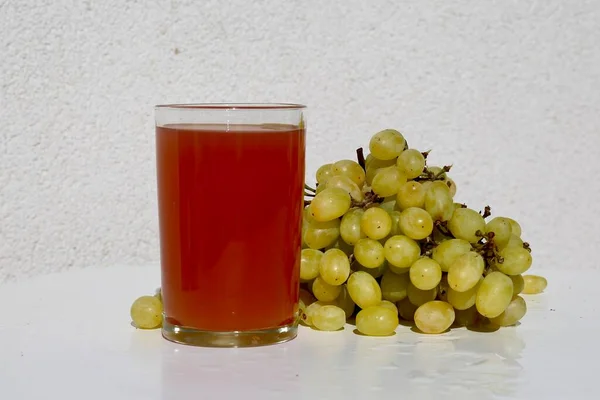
{"x":230,"y":211}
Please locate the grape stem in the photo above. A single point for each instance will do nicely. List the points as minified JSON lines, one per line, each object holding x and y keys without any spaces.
{"x":308,"y":194}
{"x":428,"y":245}
{"x":361,"y":158}
{"x":427,"y":175}
{"x":487,"y":248}
{"x":487,"y":211}
{"x":371,"y":199}
{"x":306,"y":187}
{"x":441,"y":226}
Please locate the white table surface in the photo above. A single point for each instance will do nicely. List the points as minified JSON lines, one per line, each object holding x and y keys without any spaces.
{"x":69,"y":336}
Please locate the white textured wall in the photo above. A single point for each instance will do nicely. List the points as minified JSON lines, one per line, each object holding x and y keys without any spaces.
{"x":508,"y":91}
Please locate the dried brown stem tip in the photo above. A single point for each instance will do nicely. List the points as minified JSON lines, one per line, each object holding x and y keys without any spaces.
{"x":487,"y":211}
{"x":371,"y":199}
{"x":360,"y":156}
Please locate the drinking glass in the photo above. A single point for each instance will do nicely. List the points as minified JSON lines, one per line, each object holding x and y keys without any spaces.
{"x":230,"y":201}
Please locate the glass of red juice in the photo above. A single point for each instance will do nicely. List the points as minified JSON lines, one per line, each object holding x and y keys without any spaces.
{"x":230,"y":199}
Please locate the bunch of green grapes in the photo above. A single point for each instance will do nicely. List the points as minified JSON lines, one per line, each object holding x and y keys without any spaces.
{"x":383,"y":239}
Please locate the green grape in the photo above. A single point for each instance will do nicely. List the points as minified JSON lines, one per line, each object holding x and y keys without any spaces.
{"x":375,"y":163}
{"x":329,"y":318}
{"x":364,"y":289}
{"x":451,"y":186}
{"x":348,"y":249}
{"x":350,"y":226}
{"x":439,"y":236}
{"x":146,"y":312}
{"x":447,"y":251}
{"x":387,"y":181}
{"x":494,"y":294}
{"x":514,"y":241}
{"x":463,"y":300}
{"x":346,"y":184}
{"x":458,"y":205}
{"x":309,"y":264}
{"x":416,"y":223}
{"x":394,"y":287}
{"x":389,"y":204}
{"x":534,"y":284}
{"x":515,"y":260}
{"x":389,"y":305}
{"x":438,"y":202}
{"x":426,"y":185}
{"x":401,"y":251}
{"x":443,"y":288}
{"x":502,"y":231}
{"x":465,"y":271}
{"x":324,"y":173}
{"x":311,"y":309}
{"x":518,"y":284}
{"x":434,"y":317}
{"x":425,"y":273}
{"x":370,"y":174}
{"x":351,"y":169}
{"x":411,"y":162}
{"x":438,"y":172}
{"x":513,"y":313}
{"x":375,"y":166}
{"x":410,"y":194}
{"x":515,"y":227}
{"x":341,"y":245}
{"x":465,"y":223}
{"x":406,"y":309}
{"x":374,"y":272}
{"x":418,"y":296}
{"x":323,"y":291}
{"x":387,"y":144}
{"x":369,"y":253}
{"x":376,"y":223}
{"x":377,"y":321}
{"x":307,"y":215}
{"x":397,"y":270}
{"x":334,"y":267}
{"x":321,"y":187}
{"x":468,"y":317}
{"x":395,"y":215}
{"x":345,"y":302}
{"x":318,"y":235}
{"x":302,"y":311}
{"x":330,"y":204}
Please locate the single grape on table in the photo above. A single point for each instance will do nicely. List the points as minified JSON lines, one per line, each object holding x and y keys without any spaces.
{"x":385,"y":238}
{"x":146,"y":312}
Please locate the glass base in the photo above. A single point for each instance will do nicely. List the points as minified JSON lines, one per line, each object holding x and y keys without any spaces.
{"x":195,"y":337}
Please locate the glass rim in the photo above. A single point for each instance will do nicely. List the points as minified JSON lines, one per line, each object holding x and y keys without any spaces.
{"x":231,"y":106}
